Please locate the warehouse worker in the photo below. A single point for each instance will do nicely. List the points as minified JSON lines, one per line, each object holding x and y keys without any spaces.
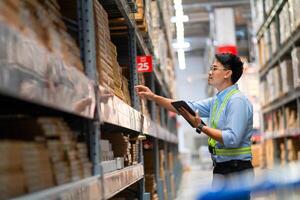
{"x":230,"y":117}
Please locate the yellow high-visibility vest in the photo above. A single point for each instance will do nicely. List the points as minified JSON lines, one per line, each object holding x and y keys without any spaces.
{"x":214,"y":121}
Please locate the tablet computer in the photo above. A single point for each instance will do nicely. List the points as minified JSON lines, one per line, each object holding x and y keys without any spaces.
{"x":183,"y":104}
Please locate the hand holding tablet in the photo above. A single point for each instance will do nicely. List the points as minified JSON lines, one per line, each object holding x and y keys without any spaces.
{"x":181,"y":107}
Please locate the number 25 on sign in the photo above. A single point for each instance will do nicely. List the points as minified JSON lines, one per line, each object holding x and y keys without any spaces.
{"x":144,"y":64}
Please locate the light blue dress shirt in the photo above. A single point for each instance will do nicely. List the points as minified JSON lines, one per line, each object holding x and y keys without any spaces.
{"x":236,"y":121}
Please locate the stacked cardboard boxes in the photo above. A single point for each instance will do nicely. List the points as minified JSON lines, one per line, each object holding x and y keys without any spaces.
{"x":278,"y":121}
{"x":109,"y":70}
{"x":150,"y":186}
{"x":84,"y":162}
{"x":142,"y":19}
{"x":69,"y":49}
{"x":274,"y":81}
{"x":169,"y":75}
{"x":282,"y":154}
{"x":282,"y":79}
{"x":41,"y":22}
{"x":149,"y":161}
{"x":258,"y":12}
{"x":286,"y":69}
{"x":264,"y":96}
{"x":135,"y":150}
{"x":269,"y":123}
{"x":267,"y":49}
{"x":149,"y":166}
{"x":294,"y":11}
{"x":296,"y":66}
{"x":25,"y":167}
{"x":285,"y":23}
{"x":121,"y":146}
{"x":273,"y":35}
{"x":107,"y":157}
{"x":36,"y":166}
{"x":293,"y":149}
{"x":171,"y":170}
{"x":269,"y":154}
{"x":256,"y":155}
{"x":12,"y":178}
{"x":69,"y":158}
{"x":162,"y":173}
{"x":142,"y":15}
{"x":106,"y":150}
{"x":103,"y":48}
{"x":46,"y":154}
{"x":35,"y":38}
{"x":51,"y":31}
{"x":125,"y":89}
{"x":291,"y":118}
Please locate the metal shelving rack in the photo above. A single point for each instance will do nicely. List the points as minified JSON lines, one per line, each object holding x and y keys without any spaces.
{"x":283,"y":51}
{"x":113,"y":116}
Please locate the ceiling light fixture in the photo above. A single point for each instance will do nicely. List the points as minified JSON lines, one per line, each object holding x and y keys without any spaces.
{"x":180,"y":44}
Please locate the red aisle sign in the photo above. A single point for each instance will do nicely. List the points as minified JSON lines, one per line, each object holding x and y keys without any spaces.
{"x":144,"y":64}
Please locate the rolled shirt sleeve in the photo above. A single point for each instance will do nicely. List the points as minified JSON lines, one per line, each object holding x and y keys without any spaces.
{"x":202,"y":106}
{"x":236,"y":123}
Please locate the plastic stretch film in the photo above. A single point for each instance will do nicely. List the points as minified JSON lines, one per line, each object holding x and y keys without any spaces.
{"x":30,"y":70}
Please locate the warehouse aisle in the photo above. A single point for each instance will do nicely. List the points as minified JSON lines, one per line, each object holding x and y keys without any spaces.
{"x":193,"y":182}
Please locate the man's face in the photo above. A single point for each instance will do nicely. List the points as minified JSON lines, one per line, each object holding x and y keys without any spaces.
{"x":217,"y":74}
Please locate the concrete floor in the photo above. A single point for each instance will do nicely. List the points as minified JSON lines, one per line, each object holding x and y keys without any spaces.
{"x":199,"y":178}
{"x":193,"y":182}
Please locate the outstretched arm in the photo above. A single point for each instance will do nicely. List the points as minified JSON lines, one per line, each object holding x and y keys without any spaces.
{"x":145,"y":93}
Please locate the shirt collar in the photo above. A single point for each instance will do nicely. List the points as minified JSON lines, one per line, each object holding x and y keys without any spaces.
{"x":221,"y":95}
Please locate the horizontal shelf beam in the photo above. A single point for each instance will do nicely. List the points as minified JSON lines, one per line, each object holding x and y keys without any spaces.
{"x":291,"y":96}
{"x":119,"y":180}
{"x":89,"y":189}
{"x":290,"y":132}
{"x":115,"y":112}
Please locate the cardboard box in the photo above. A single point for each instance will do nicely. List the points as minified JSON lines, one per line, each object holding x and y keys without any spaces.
{"x":256,"y":154}
{"x":285,"y":23}
{"x":269,"y":155}
{"x":294,"y":6}
{"x":296,"y":66}
{"x":286,"y":68}
{"x":273,"y":34}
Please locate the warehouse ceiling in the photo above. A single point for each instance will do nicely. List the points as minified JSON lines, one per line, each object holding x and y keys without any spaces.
{"x":196,"y":30}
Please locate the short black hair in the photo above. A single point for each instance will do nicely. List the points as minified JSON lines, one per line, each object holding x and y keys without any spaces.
{"x":233,"y":63}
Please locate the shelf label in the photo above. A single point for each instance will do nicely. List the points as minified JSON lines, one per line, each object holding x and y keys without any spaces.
{"x":144,"y":64}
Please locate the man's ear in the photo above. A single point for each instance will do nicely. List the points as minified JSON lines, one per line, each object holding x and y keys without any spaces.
{"x":228,"y":74}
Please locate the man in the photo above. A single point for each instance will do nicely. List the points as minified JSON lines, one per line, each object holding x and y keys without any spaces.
{"x":230,"y":117}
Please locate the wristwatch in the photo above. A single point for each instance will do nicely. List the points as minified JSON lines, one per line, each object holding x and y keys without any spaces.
{"x":199,"y":128}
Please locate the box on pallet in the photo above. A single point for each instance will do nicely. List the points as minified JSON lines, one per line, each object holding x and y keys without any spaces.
{"x":57,"y":159}
{"x":269,"y":156}
{"x":296,"y":66}
{"x":291,"y":118}
{"x":261,"y":50}
{"x":284,"y":23}
{"x":294,"y":11}
{"x":256,"y":154}
{"x":273,"y":35}
{"x":287,"y":78}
